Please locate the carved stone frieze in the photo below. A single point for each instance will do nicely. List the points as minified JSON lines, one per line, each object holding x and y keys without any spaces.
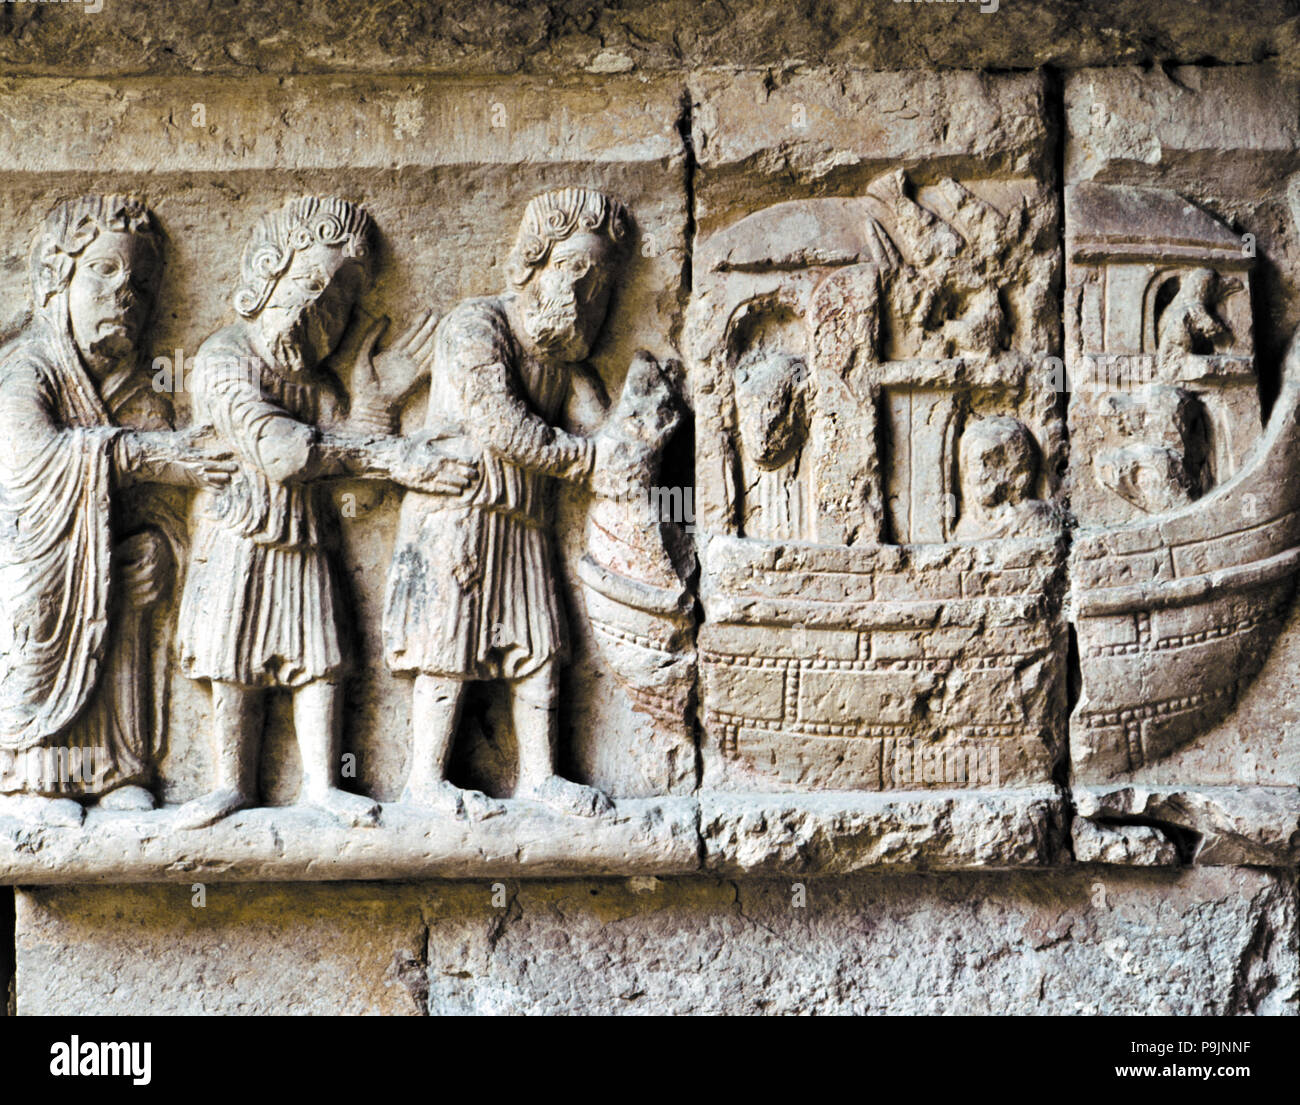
{"x":750,"y":476}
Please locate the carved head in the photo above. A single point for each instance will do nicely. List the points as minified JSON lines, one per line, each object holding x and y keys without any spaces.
{"x":302,"y":272}
{"x":565,"y":260}
{"x":1158,"y":454}
{"x":771,"y":407}
{"x":96,"y":264}
{"x":999,"y":462}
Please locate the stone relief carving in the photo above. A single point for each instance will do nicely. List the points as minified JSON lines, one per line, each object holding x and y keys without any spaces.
{"x":81,"y":577}
{"x":634,"y":577}
{"x":893,"y":548}
{"x":472,"y":595}
{"x":1183,"y":567}
{"x":262,"y":608}
{"x":871,"y":420}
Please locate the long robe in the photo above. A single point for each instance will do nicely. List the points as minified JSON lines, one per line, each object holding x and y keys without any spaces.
{"x":73,"y":679}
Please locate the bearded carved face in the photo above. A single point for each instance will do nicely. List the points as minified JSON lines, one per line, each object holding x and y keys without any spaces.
{"x":308,"y":310}
{"x":566,"y":300}
{"x":111,"y":295}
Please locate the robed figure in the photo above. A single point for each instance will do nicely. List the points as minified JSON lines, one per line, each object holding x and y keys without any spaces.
{"x":78,"y":702}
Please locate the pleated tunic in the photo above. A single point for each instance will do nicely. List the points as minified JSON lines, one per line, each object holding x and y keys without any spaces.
{"x":472,"y":592}
{"x":261,"y":605}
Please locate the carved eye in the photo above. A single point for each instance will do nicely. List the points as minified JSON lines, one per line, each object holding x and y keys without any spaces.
{"x":310,"y":283}
{"x":104,"y":266}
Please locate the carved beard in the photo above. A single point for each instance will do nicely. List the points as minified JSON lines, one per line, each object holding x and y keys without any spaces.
{"x":115,"y":345}
{"x":554,"y":326}
{"x":114,"y":337}
{"x":295,"y":346}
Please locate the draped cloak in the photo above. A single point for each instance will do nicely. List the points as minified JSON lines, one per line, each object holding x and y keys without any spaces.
{"x":57,"y":460}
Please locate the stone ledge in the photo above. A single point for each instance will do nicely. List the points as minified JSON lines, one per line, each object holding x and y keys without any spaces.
{"x":642,"y":837}
{"x":835,"y":834}
{"x":718,"y":833}
{"x":598,"y":36}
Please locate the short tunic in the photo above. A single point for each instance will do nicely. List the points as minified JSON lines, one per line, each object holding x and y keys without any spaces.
{"x":472,"y":592}
{"x":262,"y":604}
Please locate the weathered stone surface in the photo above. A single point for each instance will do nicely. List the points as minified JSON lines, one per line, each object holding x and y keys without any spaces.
{"x":839,"y":834}
{"x":876,"y":450}
{"x":1129,"y":845}
{"x":392,"y":144}
{"x":245,"y":950}
{"x":135,"y":125}
{"x":1104,"y":941}
{"x":658,"y":443}
{"x":641,"y":836}
{"x":612,"y":37}
{"x":1226,"y":139}
{"x":1259,"y":826}
{"x":1181,"y":258}
{"x":760,"y":139}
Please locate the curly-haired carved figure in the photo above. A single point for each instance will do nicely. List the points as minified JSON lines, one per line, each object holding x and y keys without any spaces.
{"x":261,"y":608}
{"x":472,"y":593}
{"x":77,"y":716}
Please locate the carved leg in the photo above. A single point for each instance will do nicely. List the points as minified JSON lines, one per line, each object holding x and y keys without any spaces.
{"x":237,"y":717}
{"x":435,"y":715}
{"x":316,"y":721}
{"x":532,"y":705}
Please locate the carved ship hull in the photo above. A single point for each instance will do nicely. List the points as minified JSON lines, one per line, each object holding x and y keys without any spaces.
{"x":644,"y":633}
{"x":882,"y":667}
{"x":1176,"y":614}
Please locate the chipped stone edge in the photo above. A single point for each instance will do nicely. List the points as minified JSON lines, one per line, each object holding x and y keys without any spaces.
{"x":837,"y":834}
{"x":1210,"y":826}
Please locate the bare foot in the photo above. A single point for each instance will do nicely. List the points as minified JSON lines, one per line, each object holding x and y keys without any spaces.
{"x":211,"y":808}
{"x":61,"y":812}
{"x":445,"y":797}
{"x":567,"y":797}
{"x":128,"y":798}
{"x":355,"y":811}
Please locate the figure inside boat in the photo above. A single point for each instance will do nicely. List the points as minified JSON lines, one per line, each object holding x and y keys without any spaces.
{"x":772,"y":417}
{"x":999,"y":464}
{"x":1159,"y":309}
{"x":1161,"y":459}
{"x":1190,"y":323}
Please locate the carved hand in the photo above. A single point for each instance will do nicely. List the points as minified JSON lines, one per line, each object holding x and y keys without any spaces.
{"x":619,"y":470}
{"x":193,"y":457}
{"x":430,"y":464}
{"x":380,"y":382}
